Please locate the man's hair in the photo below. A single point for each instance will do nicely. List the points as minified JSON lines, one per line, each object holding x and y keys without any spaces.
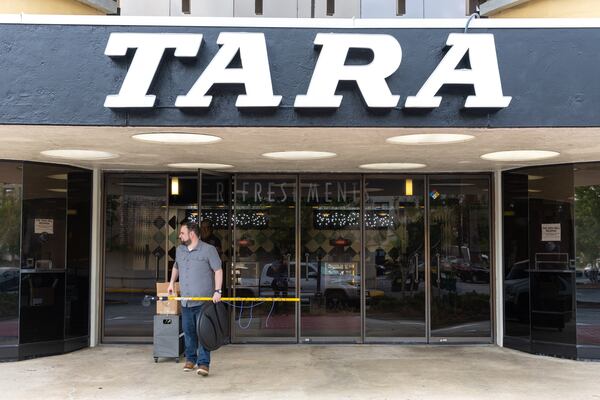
{"x":192,"y":227}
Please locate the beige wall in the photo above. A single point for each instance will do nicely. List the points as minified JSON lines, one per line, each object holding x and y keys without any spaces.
{"x":46,"y":7}
{"x":553,"y":9}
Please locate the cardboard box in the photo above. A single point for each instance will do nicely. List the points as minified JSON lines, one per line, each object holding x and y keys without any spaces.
{"x":172,"y":307}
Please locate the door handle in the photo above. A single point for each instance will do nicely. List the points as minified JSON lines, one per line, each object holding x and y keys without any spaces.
{"x":439,"y":274}
{"x":306,"y":265}
{"x":417,"y":268}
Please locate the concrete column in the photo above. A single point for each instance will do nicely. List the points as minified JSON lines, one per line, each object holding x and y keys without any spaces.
{"x":498,"y":261}
{"x":96,"y":259}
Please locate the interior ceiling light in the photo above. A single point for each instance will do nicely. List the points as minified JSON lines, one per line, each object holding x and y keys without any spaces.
{"x":408,"y":187}
{"x":392,"y":166}
{"x":200,"y":166}
{"x":430,"y":138}
{"x":175,"y":186}
{"x":299,"y":155}
{"x":58,"y":190}
{"x":177,"y":138}
{"x":520,"y":155}
{"x":79,"y":154}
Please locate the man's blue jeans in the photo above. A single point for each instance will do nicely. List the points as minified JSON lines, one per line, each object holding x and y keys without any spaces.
{"x":193,"y":351}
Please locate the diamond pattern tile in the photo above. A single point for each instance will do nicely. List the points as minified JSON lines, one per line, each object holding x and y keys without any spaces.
{"x":172,"y":252}
{"x":159,"y":237}
{"x":159,"y":222}
{"x":174,"y":237}
{"x":158,"y":252}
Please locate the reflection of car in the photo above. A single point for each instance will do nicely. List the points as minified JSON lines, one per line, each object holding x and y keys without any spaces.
{"x":335,"y":282}
{"x":551,"y":296}
{"x":516,"y":290}
{"x":9,"y":279}
{"x":592,"y":272}
{"x":471,"y":272}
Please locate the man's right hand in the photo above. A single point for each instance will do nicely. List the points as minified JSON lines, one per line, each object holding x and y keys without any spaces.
{"x":170,"y":289}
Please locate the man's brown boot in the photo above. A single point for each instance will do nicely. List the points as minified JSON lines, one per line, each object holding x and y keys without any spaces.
{"x":202,"y":370}
{"x":188,"y":366}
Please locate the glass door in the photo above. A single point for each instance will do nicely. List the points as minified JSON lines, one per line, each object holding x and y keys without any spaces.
{"x":214,"y":193}
{"x":395,"y":259}
{"x":330,"y":258}
{"x":264,"y":262}
{"x":134,"y":238}
{"x":182,"y":207}
{"x":460,"y":258}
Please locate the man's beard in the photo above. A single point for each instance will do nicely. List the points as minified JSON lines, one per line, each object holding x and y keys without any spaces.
{"x":186,"y":242}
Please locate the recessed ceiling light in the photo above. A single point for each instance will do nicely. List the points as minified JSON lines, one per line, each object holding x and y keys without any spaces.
{"x":534,"y":177}
{"x":299,"y":155}
{"x":78,"y":154}
{"x":534,"y":191}
{"x":177,"y":138}
{"x":61,"y":177}
{"x":393,"y":166}
{"x":430,"y":138}
{"x":520,"y":155}
{"x":200,"y":166}
{"x":58,"y":190}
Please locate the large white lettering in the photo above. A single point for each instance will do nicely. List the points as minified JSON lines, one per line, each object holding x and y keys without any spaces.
{"x":150,"y":49}
{"x":254,"y":73}
{"x":484,"y":74}
{"x":330,"y":70}
{"x":370,"y":78}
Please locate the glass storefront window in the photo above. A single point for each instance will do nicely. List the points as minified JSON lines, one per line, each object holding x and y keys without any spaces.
{"x":304,"y":236}
{"x":43,"y":259}
{"x":11,"y":192}
{"x":539,"y":259}
{"x":587,"y":247}
{"x":79,"y":236}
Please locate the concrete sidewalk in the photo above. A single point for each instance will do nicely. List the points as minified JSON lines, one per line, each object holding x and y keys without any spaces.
{"x":304,"y":372}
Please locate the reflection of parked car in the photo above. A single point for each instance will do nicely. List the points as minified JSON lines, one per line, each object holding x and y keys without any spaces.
{"x":9,"y":279}
{"x":516,"y":289}
{"x":471,"y":272}
{"x":337,"y":285}
{"x":591,"y":271}
{"x":551,"y":296}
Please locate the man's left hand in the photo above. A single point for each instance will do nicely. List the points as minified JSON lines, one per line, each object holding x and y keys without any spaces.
{"x":216,"y":297}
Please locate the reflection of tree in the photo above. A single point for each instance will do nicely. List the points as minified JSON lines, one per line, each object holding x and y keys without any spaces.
{"x":446,"y":218}
{"x":587,"y":223}
{"x":10,"y":217}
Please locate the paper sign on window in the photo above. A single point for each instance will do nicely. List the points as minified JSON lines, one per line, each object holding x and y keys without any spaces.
{"x":550,"y":232}
{"x":42,"y":225}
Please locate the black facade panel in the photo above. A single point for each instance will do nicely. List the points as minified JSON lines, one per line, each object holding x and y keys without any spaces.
{"x":59,"y":75}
